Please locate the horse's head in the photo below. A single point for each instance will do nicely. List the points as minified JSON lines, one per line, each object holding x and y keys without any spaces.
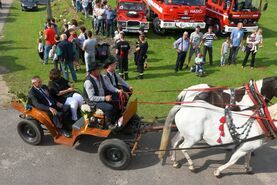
{"x":269,"y":88}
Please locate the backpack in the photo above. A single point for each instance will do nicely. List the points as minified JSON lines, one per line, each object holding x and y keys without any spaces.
{"x":102,"y":51}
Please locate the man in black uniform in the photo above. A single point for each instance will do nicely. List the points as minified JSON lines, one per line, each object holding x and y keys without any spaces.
{"x":141,"y":55}
{"x":122,"y":49}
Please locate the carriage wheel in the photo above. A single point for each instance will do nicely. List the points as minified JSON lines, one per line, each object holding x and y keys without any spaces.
{"x":30,"y":131}
{"x":114,"y":153}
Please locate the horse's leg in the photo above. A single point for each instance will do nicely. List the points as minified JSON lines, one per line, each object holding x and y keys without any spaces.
{"x":248,"y":168}
{"x":188,"y":144}
{"x":178,"y":140}
{"x":234,"y":158}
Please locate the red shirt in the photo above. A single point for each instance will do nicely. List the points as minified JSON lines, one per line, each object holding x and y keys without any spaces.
{"x":50,"y":36}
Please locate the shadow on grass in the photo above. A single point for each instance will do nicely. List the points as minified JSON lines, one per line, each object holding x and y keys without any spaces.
{"x":10,"y":62}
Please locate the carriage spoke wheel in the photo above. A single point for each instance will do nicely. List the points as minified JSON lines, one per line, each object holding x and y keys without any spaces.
{"x":114,"y":153}
{"x":30,"y":131}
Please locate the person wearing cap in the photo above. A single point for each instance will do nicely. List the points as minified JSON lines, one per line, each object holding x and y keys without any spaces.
{"x":95,"y":93}
{"x":113,"y":81}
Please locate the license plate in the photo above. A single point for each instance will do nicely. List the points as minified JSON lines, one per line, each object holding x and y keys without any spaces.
{"x":185,"y":18}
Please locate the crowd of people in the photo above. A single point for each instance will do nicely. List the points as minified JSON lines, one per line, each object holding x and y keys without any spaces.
{"x":103,"y":86}
{"x":192,"y":44}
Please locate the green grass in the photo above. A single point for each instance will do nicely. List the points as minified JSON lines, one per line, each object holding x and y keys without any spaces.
{"x":18,"y":53}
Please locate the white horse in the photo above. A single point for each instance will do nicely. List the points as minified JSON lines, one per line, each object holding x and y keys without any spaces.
{"x":200,"y":120}
{"x":267,"y":87}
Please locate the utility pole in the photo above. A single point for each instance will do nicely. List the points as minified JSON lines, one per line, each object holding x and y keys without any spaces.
{"x":49,"y":10}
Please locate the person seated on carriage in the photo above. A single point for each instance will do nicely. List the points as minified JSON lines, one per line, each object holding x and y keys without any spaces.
{"x":63,"y":91}
{"x":115,"y":83}
{"x":97,"y":96}
{"x":199,"y":64}
{"x":41,"y":99}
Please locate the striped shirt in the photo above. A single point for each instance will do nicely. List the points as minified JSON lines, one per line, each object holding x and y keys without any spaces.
{"x":209,"y":38}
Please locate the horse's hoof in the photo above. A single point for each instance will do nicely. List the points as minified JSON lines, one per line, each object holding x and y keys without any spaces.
{"x":217,"y":174}
{"x":191,"y":168}
{"x":176,"y":165}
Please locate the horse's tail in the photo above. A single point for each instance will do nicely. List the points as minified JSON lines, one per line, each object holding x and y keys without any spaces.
{"x":167,"y":129}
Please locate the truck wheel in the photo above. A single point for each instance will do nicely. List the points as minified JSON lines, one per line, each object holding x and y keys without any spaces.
{"x":217,"y":27}
{"x":156,"y":26}
{"x":114,"y":153}
{"x":30,"y":131}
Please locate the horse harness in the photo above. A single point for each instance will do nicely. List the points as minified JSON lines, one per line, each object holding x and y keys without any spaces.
{"x":260,"y":113}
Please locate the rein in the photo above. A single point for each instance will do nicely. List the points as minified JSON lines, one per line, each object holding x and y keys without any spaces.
{"x":203,"y":147}
{"x":267,"y":125}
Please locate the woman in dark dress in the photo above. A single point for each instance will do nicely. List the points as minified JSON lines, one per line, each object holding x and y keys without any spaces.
{"x":63,"y":92}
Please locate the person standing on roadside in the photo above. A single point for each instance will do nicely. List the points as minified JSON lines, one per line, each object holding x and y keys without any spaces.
{"x":66,"y":53}
{"x":195,"y":40}
{"x":235,"y":43}
{"x":141,"y":55}
{"x":208,"y":39}
{"x":49,"y":37}
{"x":181,"y":45}
{"x":89,"y":47}
{"x":122,"y":50}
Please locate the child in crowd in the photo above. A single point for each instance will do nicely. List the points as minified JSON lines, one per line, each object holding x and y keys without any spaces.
{"x":199,"y":64}
{"x":224,"y":51}
{"x":52,"y":53}
{"x":258,"y":41}
{"x":40,"y":49}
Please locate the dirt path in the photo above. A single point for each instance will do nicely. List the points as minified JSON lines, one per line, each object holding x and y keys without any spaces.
{"x":5,"y":97}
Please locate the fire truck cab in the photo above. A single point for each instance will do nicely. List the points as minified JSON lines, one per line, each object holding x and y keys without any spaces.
{"x":131,"y":15}
{"x":224,"y":15}
{"x":176,"y":14}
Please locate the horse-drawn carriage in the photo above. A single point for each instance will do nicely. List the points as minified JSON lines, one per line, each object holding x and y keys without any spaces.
{"x":216,"y":125}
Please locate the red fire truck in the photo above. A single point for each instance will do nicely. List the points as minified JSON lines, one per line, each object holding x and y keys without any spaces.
{"x":131,"y":15}
{"x":224,"y":15}
{"x":176,"y":14}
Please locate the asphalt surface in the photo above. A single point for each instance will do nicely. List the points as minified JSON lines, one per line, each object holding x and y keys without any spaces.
{"x":23,"y":164}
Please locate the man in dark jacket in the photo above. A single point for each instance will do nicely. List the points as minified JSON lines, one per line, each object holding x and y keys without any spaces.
{"x":66,"y":52}
{"x":41,"y":99}
{"x":96,"y":94}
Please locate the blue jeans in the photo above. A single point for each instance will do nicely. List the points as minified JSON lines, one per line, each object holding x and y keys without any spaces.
{"x":65,"y":66}
{"x":100,"y":26}
{"x":110,"y":27}
{"x":47,"y":49}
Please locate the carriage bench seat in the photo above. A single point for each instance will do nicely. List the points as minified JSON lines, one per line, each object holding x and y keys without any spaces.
{"x":79,"y":123}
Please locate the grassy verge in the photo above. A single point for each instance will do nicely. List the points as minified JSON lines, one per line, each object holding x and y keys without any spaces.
{"x":18,"y":53}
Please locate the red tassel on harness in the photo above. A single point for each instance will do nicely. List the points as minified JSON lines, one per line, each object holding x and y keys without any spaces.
{"x":220,"y":128}
{"x":218,"y":140}
{"x":222,"y":119}
{"x":222,"y":133}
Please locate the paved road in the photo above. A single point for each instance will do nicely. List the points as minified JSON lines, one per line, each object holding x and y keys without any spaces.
{"x":24,"y":164}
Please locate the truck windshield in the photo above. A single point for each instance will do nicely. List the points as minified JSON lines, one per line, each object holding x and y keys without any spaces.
{"x":246,"y":5}
{"x":187,"y":2}
{"x":130,"y":6}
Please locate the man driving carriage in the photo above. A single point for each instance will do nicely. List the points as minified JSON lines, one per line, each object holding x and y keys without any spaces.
{"x":113,"y":80}
{"x":101,"y":95}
